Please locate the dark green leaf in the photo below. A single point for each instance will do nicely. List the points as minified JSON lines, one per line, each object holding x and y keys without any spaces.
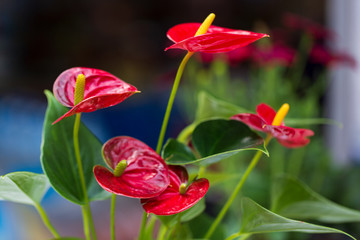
{"x":292,"y":198}
{"x":58,"y":158}
{"x":175,"y":152}
{"x":201,"y":224}
{"x":208,"y":108}
{"x":23,"y":187}
{"x":256,"y":219}
{"x":219,"y":139}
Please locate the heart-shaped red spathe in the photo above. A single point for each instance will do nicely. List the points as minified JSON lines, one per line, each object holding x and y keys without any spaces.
{"x":171,"y":201}
{"x":215,"y":40}
{"x":102,"y":90}
{"x":145,"y":176}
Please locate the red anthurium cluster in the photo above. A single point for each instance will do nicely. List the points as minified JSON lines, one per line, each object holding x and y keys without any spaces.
{"x":263,"y":121}
{"x":215,"y":40}
{"x":144,"y":175}
{"x":179,"y":196}
{"x":102,"y":90}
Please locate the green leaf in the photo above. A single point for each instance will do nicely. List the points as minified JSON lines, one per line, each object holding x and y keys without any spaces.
{"x":292,"y":198}
{"x":211,"y":107}
{"x":219,"y":139}
{"x":214,"y":140}
{"x":201,"y":224}
{"x":58,"y":157}
{"x":177,"y":152}
{"x":23,"y":187}
{"x":256,"y":219}
{"x":185,"y":216}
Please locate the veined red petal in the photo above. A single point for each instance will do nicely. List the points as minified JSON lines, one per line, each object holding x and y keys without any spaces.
{"x":102,"y":90}
{"x":216,"y":40}
{"x":145,"y":176}
{"x":252,"y":120}
{"x":266,"y":112}
{"x":290,"y":137}
{"x":171,"y":201}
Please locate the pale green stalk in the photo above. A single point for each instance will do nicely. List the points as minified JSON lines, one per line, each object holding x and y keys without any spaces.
{"x":46,"y":220}
{"x":86,"y":207}
{"x":112,"y":216}
{"x":236,"y":191}
{"x":171,"y":100}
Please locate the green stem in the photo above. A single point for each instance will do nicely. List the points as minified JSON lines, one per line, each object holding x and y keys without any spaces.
{"x":112,"y":216}
{"x":86,"y":207}
{"x":143,"y":225}
{"x":171,"y":100}
{"x":162,"y":232}
{"x":46,"y":220}
{"x":237,"y":189}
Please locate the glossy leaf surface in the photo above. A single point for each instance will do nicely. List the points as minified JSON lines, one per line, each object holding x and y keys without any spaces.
{"x":102,"y":90}
{"x":171,"y":201}
{"x":292,"y":198}
{"x":215,"y":40}
{"x":219,"y":139}
{"x":23,"y":187}
{"x":256,"y":219}
{"x":208,"y":108}
{"x":175,"y":152}
{"x":145,"y":176}
{"x":58,"y":157}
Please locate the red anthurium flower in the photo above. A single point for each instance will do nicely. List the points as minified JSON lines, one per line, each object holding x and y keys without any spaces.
{"x":138,"y":171}
{"x":102,"y":90}
{"x":215,"y":40}
{"x":264,"y":121}
{"x":179,"y":196}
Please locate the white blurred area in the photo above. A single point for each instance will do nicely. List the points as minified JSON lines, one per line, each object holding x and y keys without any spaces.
{"x":343,"y":104}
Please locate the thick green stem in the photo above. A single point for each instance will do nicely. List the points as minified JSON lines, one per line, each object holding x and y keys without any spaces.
{"x":112,"y":216}
{"x":86,"y":207}
{"x":46,"y":220}
{"x":237,"y":189}
{"x":171,"y":100}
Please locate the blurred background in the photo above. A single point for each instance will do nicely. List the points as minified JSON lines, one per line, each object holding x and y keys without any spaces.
{"x":40,"y":39}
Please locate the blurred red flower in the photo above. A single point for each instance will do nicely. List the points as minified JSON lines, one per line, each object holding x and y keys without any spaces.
{"x":102,"y":90}
{"x":174,"y":199}
{"x":215,"y":40}
{"x":263,"y":121}
{"x":321,"y":55}
{"x":145,"y":176}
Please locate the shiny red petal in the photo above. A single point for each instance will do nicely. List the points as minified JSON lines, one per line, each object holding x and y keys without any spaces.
{"x":290,"y":137}
{"x":216,"y":40}
{"x":171,"y":201}
{"x":102,"y":90}
{"x":266,"y":112}
{"x":145,"y":176}
{"x":252,"y":120}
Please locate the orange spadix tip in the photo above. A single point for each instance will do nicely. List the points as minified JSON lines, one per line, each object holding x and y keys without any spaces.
{"x":205,"y":25}
{"x":280,"y":114}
